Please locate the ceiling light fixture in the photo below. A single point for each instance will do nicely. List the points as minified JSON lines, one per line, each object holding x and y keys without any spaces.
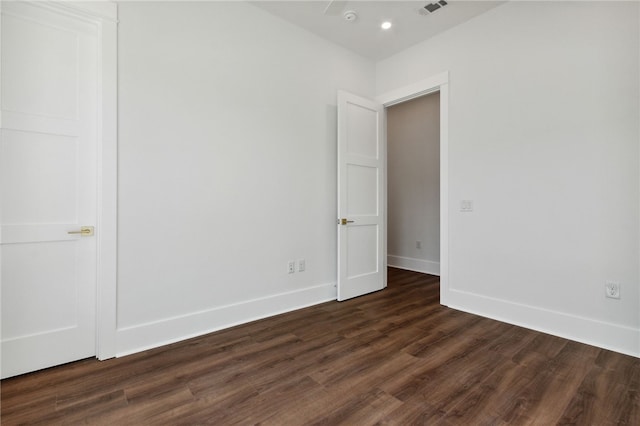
{"x":385,"y":25}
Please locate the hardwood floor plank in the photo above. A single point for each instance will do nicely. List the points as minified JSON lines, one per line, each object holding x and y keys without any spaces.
{"x":363,"y":408}
{"x":481,"y":404}
{"x":275,"y":399}
{"x":605,"y":386}
{"x":512,"y":341}
{"x":391,"y":357}
{"x":557,"y":375}
{"x":77,"y":412}
{"x":413,"y":413}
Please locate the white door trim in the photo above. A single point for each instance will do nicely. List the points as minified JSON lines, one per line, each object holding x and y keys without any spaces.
{"x":103,"y":14}
{"x":436,"y":83}
{"x":106,"y":319}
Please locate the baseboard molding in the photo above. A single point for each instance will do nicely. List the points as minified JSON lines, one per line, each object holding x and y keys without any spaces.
{"x":158,"y":333}
{"x":416,"y":265}
{"x":615,"y":337}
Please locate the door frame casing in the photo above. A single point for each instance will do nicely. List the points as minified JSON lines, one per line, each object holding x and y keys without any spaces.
{"x":436,"y":83}
{"x":104,"y":15}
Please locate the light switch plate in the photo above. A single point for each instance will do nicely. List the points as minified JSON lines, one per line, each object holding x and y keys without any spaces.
{"x":466,"y":205}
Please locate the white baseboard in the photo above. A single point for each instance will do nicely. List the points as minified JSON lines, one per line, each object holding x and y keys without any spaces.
{"x":411,"y":264}
{"x":610,"y":336}
{"x":605,"y":335}
{"x":170,"y":330}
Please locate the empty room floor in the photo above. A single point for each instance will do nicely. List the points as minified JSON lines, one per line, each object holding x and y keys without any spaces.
{"x":391,"y":357}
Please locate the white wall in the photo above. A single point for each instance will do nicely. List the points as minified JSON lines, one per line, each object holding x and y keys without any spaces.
{"x":227,"y":165}
{"x":543,"y":137}
{"x":413,"y":181}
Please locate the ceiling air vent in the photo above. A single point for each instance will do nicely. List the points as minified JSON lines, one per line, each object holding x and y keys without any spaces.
{"x":432,"y":7}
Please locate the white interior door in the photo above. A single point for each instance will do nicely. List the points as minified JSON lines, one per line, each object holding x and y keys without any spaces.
{"x":48,"y":187}
{"x":361,"y":197}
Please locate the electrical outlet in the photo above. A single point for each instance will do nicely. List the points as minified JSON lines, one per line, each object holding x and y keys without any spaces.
{"x":291,"y":266}
{"x":302,"y":265}
{"x":612,"y":290}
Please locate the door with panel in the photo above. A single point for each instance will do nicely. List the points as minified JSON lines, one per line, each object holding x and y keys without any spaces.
{"x":361,"y":197}
{"x":48,"y":169}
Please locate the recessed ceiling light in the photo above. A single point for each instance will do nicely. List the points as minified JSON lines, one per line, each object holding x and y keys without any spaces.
{"x":385,"y":25}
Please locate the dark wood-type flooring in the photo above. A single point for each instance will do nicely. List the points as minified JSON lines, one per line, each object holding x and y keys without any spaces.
{"x":392,"y":357}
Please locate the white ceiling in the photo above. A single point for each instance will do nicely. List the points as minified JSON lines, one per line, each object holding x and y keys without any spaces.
{"x":364,"y":35}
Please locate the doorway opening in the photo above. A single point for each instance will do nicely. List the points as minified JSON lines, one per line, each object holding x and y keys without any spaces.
{"x":440,"y":84}
{"x":413,"y":184}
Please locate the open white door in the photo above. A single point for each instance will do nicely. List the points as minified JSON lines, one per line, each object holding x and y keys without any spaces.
{"x":48,"y":171}
{"x":361,"y":197}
